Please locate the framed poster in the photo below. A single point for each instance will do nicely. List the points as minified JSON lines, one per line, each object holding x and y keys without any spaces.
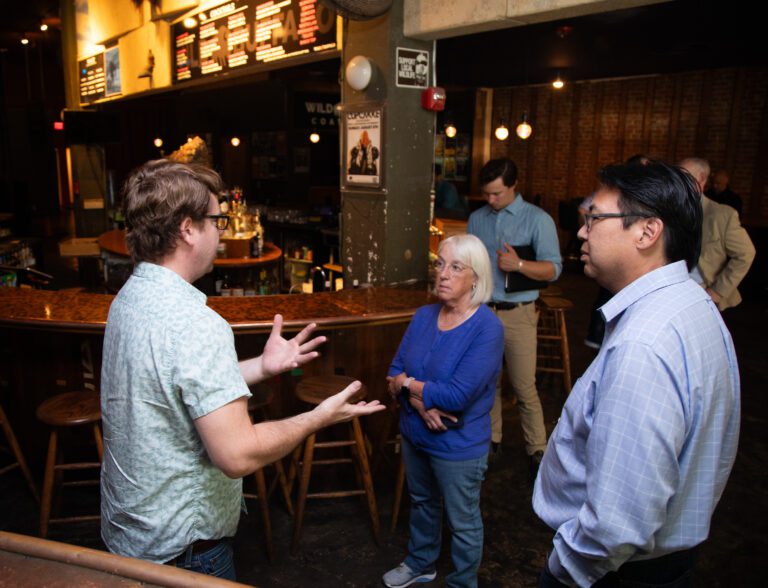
{"x":363,"y":150}
{"x":112,"y":66}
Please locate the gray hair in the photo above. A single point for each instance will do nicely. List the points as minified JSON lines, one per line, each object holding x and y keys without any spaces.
{"x":698,"y":167}
{"x":470,"y":251}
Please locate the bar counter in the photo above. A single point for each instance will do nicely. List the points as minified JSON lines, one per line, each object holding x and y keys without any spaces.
{"x":51,"y":342}
{"x":78,"y":312}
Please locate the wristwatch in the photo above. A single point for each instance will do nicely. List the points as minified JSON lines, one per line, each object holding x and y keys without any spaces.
{"x":519,"y":265}
{"x":406,"y":387}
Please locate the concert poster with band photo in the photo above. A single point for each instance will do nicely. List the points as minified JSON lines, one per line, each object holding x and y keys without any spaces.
{"x":363,"y":146}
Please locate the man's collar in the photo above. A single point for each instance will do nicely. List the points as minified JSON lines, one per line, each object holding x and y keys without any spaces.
{"x":167,"y":276}
{"x":667,"y":275}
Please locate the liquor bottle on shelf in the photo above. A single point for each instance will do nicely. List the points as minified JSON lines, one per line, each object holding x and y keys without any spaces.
{"x":249,"y":289}
{"x":226,"y":288}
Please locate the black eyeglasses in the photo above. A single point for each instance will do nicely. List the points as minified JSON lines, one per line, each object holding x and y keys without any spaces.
{"x":220,"y":220}
{"x":589,"y":218}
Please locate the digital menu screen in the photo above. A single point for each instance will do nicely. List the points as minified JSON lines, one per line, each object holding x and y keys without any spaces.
{"x":93,"y":80}
{"x":246,"y":33}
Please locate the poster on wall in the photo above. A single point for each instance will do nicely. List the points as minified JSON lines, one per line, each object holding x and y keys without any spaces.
{"x":412,"y":68}
{"x":112,"y":67}
{"x":363,"y":146}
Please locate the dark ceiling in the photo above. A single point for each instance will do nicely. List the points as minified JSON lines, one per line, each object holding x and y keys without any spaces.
{"x":682,"y":35}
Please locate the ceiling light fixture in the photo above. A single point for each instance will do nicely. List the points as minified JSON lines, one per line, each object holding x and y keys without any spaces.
{"x":314,"y":137}
{"x":235,"y":141}
{"x":25,"y":41}
{"x":190,"y":22}
{"x":501,"y":132}
{"x":558,"y":83}
{"x":158,"y":142}
{"x":43,"y":27}
{"x":524,"y":129}
{"x":450,"y":130}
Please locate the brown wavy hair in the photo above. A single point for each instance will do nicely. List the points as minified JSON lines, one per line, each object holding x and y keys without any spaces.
{"x":158,"y":196}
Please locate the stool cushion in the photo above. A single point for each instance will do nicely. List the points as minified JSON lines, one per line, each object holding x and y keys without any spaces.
{"x":315,"y":389}
{"x":70,"y":409}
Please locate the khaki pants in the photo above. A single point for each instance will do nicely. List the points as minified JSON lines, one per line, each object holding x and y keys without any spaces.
{"x":520,"y":356}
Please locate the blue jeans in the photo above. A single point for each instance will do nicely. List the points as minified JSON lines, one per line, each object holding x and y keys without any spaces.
{"x":217,"y":561}
{"x":458,"y":484}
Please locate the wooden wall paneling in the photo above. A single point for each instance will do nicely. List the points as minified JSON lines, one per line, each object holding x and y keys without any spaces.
{"x":702,"y":147}
{"x":574,"y":124}
{"x":674,"y":119}
{"x":734,"y":120}
{"x":552,"y":192}
{"x":530,"y":160}
{"x":598,"y":122}
{"x":757,"y":206}
{"x":650,"y":91}
{"x":621,"y":122}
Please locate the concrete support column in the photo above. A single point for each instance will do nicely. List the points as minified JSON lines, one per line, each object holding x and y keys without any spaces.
{"x":385,"y":232}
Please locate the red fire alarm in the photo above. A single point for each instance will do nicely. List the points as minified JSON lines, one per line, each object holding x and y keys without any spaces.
{"x":433,"y":98}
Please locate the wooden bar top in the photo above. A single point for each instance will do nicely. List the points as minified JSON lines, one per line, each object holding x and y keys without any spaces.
{"x":114,"y":242}
{"x":75,"y":311}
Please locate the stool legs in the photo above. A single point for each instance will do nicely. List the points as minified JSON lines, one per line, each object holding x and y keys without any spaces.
{"x":306,"y":473}
{"x":399,"y":485}
{"x":50,"y":462}
{"x":54,"y":469}
{"x":565,"y":352}
{"x":261,"y":489}
{"x":17,"y":454}
{"x":365,"y":470}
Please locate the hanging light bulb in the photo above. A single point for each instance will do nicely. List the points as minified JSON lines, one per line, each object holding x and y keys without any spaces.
{"x":43,"y":27}
{"x":25,"y":41}
{"x":524,"y":129}
{"x":190,"y":22}
{"x":314,"y":137}
{"x":501,"y":132}
{"x":450,"y":130}
{"x":158,"y":142}
{"x":558,"y":83}
{"x":235,"y":141}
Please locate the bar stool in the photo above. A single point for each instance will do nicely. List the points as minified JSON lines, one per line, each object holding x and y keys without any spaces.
{"x":314,"y":390}
{"x":553,"y":354}
{"x":256,"y":409}
{"x":18,"y":456}
{"x":392,"y":438}
{"x":71,"y":409}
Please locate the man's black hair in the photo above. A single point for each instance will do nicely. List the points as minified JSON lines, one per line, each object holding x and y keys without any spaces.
{"x":665,"y":192}
{"x":499,"y":168}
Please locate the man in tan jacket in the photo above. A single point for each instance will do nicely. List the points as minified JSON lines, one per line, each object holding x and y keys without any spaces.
{"x":726,"y":249}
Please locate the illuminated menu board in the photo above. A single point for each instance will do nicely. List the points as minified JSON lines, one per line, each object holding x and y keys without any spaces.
{"x":93,"y":80}
{"x":246,"y":33}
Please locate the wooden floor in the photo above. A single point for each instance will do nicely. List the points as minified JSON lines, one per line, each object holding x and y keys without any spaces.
{"x":337,"y":548}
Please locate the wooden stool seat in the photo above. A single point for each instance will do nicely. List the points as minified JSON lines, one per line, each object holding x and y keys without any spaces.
{"x":67,"y":410}
{"x":18,"y":456}
{"x":553,"y":355}
{"x":256,"y":409}
{"x":314,"y":390}
{"x":70,"y":409}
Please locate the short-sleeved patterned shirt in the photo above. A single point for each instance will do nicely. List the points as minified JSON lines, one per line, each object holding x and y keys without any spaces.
{"x":168,"y":360}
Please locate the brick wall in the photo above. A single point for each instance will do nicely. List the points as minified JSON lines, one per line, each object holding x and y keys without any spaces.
{"x":721,"y":115}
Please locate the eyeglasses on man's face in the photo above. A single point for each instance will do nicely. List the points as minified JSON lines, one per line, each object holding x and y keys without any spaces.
{"x":454,"y":269}
{"x":590,"y":218}
{"x":220,"y":220}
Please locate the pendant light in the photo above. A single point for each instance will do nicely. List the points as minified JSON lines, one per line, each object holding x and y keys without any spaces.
{"x":524,"y":129}
{"x":501,"y":132}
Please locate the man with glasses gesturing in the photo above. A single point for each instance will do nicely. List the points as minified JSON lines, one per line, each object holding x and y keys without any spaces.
{"x":177,"y":436}
{"x":647,"y":438}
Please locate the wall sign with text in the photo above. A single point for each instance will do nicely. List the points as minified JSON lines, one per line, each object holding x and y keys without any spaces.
{"x":93,"y":80}
{"x":246,"y":33}
{"x":412,"y":68}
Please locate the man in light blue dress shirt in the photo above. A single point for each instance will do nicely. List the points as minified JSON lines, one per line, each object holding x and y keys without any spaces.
{"x":648,"y":436}
{"x":508,"y":221}
{"x":177,"y":435}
